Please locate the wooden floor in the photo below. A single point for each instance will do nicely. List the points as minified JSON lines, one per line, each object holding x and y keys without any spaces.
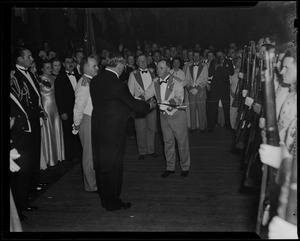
{"x":206,"y":201}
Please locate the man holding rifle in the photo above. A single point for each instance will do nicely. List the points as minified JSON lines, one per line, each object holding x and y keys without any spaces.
{"x":169,"y":93}
{"x":284,"y":158}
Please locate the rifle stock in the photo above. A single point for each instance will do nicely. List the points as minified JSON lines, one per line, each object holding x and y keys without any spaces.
{"x":271,"y":132}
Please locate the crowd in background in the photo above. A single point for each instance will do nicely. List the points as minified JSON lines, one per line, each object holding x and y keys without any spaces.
{"x":210,"y":76}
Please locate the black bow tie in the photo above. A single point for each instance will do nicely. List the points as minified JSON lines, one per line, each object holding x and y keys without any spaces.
{"x":196,"y":64}
{"x":144,"y":71}
{"x":70,"y":73}
{"x":25,"y":70}
{"x":163,"y":81}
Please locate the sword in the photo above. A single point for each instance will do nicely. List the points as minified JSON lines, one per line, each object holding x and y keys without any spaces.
{"x":179,"y":107}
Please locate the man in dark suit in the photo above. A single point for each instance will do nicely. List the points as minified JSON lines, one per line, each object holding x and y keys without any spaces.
{"x":221,"y":68}
{"x":65,"y":84}
{"x":112,"y":103}
{"x":26,"y":107}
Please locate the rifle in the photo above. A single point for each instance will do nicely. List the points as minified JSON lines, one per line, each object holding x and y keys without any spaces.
{"x":237,"y":99}
{"x":271,"y":133}
{"x":243,"y":107}
{"x":252,"y":158}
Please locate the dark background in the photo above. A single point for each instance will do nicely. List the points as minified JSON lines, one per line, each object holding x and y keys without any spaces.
{"x":186,"y":23}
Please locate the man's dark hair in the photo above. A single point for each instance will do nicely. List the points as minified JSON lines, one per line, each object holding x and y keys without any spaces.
{"x":67,"y":57}
{"x":18,"y":52}
{"x":156,"y":51}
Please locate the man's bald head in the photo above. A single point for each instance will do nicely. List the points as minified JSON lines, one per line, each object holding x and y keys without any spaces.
{"x":162,"y":69}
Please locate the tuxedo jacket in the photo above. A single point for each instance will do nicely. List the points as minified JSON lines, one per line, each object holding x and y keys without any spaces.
{"x":174,"y":91}
{"x":135,"y":82}
{"x":28,"y":95}
{"x":112,"y":103}
{"x":201,"y":77}
{"x":221,"y":74}
{"x":21,"y":120}
{"x":64,"y":94}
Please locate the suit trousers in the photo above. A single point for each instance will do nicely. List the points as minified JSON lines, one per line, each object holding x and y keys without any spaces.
{"x":85,"y":135}
{"x":110,"y":183}
{"x":198,"y":104}
{"x":145,"y":133}
{"x":26,"y":179}
{"x":218,"y":92}
{"x":73,"y":148}
{"x":233,"y":114}
{"x":175,"y":127}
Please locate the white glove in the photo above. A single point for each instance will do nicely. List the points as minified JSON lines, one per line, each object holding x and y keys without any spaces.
{"x":281,"y":229}
{"x":74,"y":131}
{"x":262,"y":123}
{"x":14,"y":154}
{"x":241,"y":75}
{"x":164,"y":107}
{"x":249,"y":101}
{"x":244,"y":93}
{"x":273,"y":155}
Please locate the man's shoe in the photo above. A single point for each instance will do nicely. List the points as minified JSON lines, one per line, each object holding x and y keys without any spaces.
{"x":125,"y":206}
{"x":31,"y":208}
{"x":153,"y":155}
{"x":141,"y":157}
{"x":22,"y":217}
{"x":191,"y":131}
{"x":38,"y":189}
{"x":184,"y":174}
{"x":166,"y":173}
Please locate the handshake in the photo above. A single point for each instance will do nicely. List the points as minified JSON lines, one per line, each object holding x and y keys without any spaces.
{"x":152,"y":102}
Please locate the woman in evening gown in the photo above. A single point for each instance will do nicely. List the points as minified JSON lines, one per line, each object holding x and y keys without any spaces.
{"x":52,"y":144}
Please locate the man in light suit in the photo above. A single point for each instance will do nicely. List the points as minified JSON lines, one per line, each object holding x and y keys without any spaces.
{"x":145,"y":125}
{"x":168,"y":90}
{"x":196,"y":78}
{"x":82,"y":120}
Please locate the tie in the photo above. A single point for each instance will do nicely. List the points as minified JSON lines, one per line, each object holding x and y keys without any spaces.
{"x":163,"y":81}
{"x":144,"y":71}
{"x":69,"y":73}
{"x":25,"y":70}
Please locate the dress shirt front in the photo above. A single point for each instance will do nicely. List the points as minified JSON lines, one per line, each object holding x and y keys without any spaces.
{"x":195,"y":71}
{"x":83,"y":103}
{"x":72,"y":79}
{"x":78,"y":68}
{"x":163,"y":88}
{"x":147,"y":79}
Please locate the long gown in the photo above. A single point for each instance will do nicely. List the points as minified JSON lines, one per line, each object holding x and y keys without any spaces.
{"x":52,"y":142}
{"x":15,"y":224}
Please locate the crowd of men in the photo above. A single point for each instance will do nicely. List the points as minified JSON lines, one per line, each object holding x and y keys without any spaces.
{"x":175,"y":90}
